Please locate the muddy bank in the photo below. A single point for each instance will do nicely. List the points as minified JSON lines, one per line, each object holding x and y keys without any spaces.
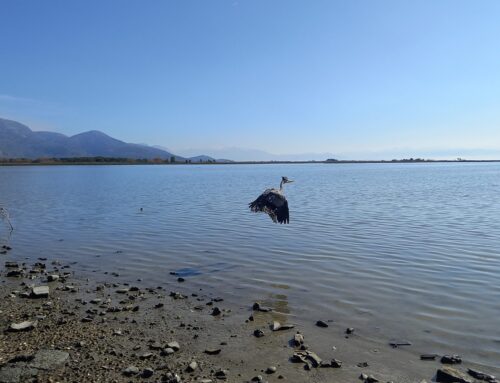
{"x":57,"y":326}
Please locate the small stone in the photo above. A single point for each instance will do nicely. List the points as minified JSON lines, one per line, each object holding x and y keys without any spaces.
{"x":221,"y":374}
{"x":298,"y":339}
{"x":334,"y":363}
{"x":147,"y":373}
{"x":122,"y":291}
{"x":146,"y":355}
{"x":257,"y":307}
{"x":23,"y":326}
{"x":349,"y":330}
{"x":258,"y":333}
{"x":11,"y":264}
{"x":258,"y":378}
{"x":451,"y":359}
{"x":397,"y":343}
{"x":180,"y":279}
{"x":213,"y":351}
{"x":192,"y":366}
{"x":216,"y":311}
{"x":53,"y":278}
{"x":130,"y":371}
{"x":40,"y":292}
{"x":174,"y":346}
{"x":320,"y":323}
{"x":271,"y":370}
{"x":168,"y":351}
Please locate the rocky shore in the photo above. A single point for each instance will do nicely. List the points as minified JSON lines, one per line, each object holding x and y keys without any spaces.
{"x":57,"y":326}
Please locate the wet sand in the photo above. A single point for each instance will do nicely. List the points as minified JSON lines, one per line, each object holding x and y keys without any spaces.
{"x":102,"y":329}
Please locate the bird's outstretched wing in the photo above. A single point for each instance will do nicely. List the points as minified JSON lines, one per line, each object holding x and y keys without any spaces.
{"x":274,"y":204}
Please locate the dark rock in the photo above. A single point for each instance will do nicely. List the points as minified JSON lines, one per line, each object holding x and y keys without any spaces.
{"x":216,"y":311}
{"x":349,"y":330}
{"x":451,"y":359}
{"x":213,"y":351}
{"x":397,"y":343}
{"x":258,"y":333}
{"x":15,"y":273}
{"x":147,"y":373}
{"x":221,"y":374}
{"x":321,"y":323}
{"x":480,"y":375}
{"x":428,"y":357}
{"x":451,"y":375}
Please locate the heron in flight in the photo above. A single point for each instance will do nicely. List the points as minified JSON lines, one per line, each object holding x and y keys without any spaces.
{"x":274,"y":203}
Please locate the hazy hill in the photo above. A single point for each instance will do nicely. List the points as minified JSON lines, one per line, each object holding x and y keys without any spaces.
{"x":19,"y":141}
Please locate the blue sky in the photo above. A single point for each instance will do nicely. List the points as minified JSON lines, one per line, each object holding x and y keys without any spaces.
{"x":358,"y":79}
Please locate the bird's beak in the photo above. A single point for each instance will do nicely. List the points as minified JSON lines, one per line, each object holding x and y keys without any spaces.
{"x":289,"y":181}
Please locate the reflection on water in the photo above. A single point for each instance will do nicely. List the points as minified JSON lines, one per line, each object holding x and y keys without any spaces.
{"x":406,"y":251}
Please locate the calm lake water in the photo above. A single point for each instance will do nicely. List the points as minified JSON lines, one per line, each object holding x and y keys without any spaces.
{"x":406,"y":251}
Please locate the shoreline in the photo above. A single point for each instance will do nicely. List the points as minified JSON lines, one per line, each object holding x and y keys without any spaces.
{"x":94,"y":328}
{"x":338,"y":162}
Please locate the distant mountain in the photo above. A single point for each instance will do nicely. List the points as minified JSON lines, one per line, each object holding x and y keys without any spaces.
{"x":245,"y":154}
{"x":19,"y":141}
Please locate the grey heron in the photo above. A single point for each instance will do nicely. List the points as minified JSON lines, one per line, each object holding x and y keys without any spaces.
{"x":274,"y":203}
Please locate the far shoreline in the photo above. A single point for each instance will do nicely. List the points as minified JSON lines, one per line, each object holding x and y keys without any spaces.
{"x":98,"y":161}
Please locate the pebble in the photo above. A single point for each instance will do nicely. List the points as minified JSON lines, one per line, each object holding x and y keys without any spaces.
{"x":258,"y":333}
{"x":130,"y":371}
{"x":40,"y":291}
{"x":397,"y":343}
{"x":298,"y":339}
{"x":23,"y":326}
{"x":53,"y":278}
{"x":221,"y":374}
{"x":321,"y":323}
{"x":213,"y":351}
{"x":257,"y":307}
{"x":147,"y":373}
{"x":216,"y":311}
{"x":192,"y":366}
{"x":451,"y":359}
{"x":174,"y":346}
{"x":271,"y":370}
{"x":349,"y":330}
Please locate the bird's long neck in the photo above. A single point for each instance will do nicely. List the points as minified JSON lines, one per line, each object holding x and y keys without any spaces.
{"x":281,"y":185}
